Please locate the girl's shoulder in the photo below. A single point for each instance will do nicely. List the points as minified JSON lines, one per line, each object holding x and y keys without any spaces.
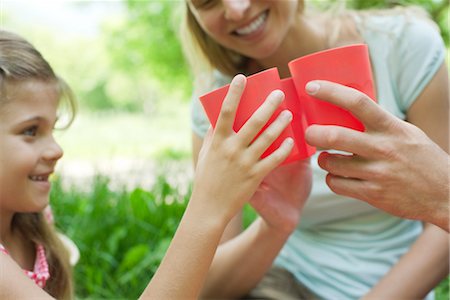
{"x":40,"y":273}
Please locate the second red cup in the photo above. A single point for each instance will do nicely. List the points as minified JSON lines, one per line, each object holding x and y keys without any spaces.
{"x":349,"y":65}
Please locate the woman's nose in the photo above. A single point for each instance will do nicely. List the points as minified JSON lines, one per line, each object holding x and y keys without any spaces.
{"x":235,"y":9}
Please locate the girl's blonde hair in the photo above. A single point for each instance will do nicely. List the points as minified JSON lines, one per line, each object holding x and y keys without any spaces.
{"x":20,"y":61}
{"x":206,"y":55}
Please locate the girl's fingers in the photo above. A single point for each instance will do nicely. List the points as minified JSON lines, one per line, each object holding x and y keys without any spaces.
{"x":271,"y":133}
{"x":260,"y":117}
{"x":230,"y":104}
{"x":271,"y":161}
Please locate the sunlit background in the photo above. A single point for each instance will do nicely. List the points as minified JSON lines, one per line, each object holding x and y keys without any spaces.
{"x":124,"y":181}
{"x":125,"y":65}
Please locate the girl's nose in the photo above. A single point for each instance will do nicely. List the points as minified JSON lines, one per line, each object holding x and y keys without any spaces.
{"x":53,"y":152}
{"x":235,"y":9}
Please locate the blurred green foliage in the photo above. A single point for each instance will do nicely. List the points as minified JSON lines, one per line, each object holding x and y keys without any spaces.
{"x":122,"y":236}
{"x":146,"y":41}
{"x":136,"y":62}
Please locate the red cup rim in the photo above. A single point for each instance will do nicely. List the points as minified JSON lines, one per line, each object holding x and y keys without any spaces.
{"x":262,"y":72}
{"x":248,"y":78}
{"x":326,"y":51}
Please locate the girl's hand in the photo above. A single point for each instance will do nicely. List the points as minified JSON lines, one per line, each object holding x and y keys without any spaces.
{"x":282,"y":194}
{"x":230,"y":169}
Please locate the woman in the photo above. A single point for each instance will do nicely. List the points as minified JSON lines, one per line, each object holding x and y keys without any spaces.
{"x":341,"y":248}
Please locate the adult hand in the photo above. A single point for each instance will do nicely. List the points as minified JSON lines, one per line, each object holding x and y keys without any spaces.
{"x":394,"y":166}
{"x":230,"y":169}
{"x":282,"y":194}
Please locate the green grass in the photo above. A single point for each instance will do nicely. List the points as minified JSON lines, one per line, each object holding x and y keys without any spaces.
{"x":122,"y":236}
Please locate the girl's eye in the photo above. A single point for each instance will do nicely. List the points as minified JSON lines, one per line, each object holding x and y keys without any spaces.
{"x":30,"y":131}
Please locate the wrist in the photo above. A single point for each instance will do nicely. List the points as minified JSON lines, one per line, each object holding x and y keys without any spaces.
{"x":439,"y":215}
{"x":199,"y":209}
{"x":273,"y":231}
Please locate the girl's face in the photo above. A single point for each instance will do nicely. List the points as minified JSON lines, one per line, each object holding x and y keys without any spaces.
{"x":254,"y":28}
{"x":28,"y":151}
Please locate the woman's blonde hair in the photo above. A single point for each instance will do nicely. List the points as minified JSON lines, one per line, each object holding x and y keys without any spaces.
{"x":20,"y":61}
{"x":206,"y":55}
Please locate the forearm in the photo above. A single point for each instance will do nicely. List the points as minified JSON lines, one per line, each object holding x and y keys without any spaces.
{"x":418,"y":271}
{"x":185,"y":265}
{"x":242,"y":262}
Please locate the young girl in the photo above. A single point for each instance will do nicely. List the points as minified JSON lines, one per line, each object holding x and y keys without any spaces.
{"x":342,"y":248}
{"x":228,"y":173}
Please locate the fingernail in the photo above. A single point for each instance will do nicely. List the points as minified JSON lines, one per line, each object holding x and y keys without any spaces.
{"x":239,"y":79}
{"x":289,"y":141}
{"x":278,"y":94}
{"x":286,"y":114}
{"x":276,"y":97}
{"x":312,"y":87}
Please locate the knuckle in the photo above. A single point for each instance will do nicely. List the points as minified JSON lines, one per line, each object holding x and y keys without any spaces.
{"x":226,"y":110}
{"x":246,"y":166}
{"x":376,"y":173}
{"x":359,"y":101}
{"x":374,"y":191}
{"x":259,"y":121}
{"x":280,"y":155}
{"x":252,"y":173}
{"x":331,"y":138}
{"x":230,"y":152}
{"x":385,"y":150}
{"x":269,"y":135}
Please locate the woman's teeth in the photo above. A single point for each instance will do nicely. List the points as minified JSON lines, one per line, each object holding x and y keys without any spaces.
{"x":253,"y":26}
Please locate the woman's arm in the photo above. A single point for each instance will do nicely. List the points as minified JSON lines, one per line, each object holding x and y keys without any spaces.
{"x":418,"y":271}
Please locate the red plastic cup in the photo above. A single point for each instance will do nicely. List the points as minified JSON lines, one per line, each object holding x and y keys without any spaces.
{"x":296,"y":129}
{"x":258,"y":87}
{"x":349,"y":65}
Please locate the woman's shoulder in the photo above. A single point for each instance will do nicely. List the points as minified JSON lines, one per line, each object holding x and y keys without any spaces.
{"x":398,"y":26}
{"x":406,"y":50}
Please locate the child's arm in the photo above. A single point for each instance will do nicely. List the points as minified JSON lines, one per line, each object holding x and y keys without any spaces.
{"x":228,"y":173}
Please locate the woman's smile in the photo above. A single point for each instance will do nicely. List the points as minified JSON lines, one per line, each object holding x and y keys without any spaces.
{"x":252,"y":29}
